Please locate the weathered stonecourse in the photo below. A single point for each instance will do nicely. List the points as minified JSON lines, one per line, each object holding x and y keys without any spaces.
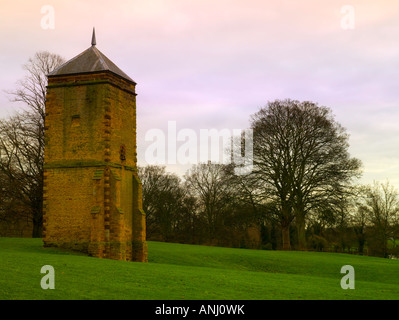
{"x":92,"y":193}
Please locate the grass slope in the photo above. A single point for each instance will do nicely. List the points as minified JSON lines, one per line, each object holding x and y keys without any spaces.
{"x":177,"y":271}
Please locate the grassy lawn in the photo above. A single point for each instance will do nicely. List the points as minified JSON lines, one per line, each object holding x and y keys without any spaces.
{"x":191,"y":272}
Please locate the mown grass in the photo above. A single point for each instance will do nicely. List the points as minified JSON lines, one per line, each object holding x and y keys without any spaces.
{"x":177,"y":271}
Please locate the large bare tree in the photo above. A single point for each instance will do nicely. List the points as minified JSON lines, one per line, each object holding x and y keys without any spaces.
{"x":301,"y":158}
{"x":22,"y":140}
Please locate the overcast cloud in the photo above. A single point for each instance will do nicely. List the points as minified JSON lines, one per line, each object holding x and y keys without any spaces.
{"x":211,"y":64}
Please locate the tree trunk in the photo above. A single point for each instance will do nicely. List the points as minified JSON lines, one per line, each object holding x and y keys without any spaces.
{"x":37,"y":224}
{"x":286,"y":237}
{"x":361,"y":242}
{"x":361,"y":247}
{"x":300,"y":224}
{"x":37,"y":230}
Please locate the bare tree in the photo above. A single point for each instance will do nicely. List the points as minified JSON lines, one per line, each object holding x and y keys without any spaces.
{"x":209,"y":183}
{"x":22,"y":138}
{"x":301,"y":159}
{"x":381,"y":202}
{"x":32,"y":89}
{"x":358,"y":218}
{"x":165,"y":202}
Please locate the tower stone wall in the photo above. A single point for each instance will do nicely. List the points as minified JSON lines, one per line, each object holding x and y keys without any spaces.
{"x":92,"y":193}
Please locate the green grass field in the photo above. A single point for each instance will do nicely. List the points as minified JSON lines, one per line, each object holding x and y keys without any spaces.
{"x":176,"y":272}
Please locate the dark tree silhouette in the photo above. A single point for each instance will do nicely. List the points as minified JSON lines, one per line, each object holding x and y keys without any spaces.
{"x":301,"y":158}
{"x":22,"y":141}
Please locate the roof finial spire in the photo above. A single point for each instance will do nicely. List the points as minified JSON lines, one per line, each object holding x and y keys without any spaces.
{"x":93,"y":38}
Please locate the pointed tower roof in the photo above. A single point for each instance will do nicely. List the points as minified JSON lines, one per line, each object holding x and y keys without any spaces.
{"x":89,"y":61}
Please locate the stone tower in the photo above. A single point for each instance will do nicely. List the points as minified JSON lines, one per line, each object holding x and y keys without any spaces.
{"x":92,"y":193}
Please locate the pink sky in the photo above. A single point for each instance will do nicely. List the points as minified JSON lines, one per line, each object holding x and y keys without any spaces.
{"x":211,"y":64}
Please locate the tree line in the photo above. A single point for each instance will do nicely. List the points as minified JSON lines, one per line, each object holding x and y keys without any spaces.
{"x":301,"y":193}
{"x":210,"y":206}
